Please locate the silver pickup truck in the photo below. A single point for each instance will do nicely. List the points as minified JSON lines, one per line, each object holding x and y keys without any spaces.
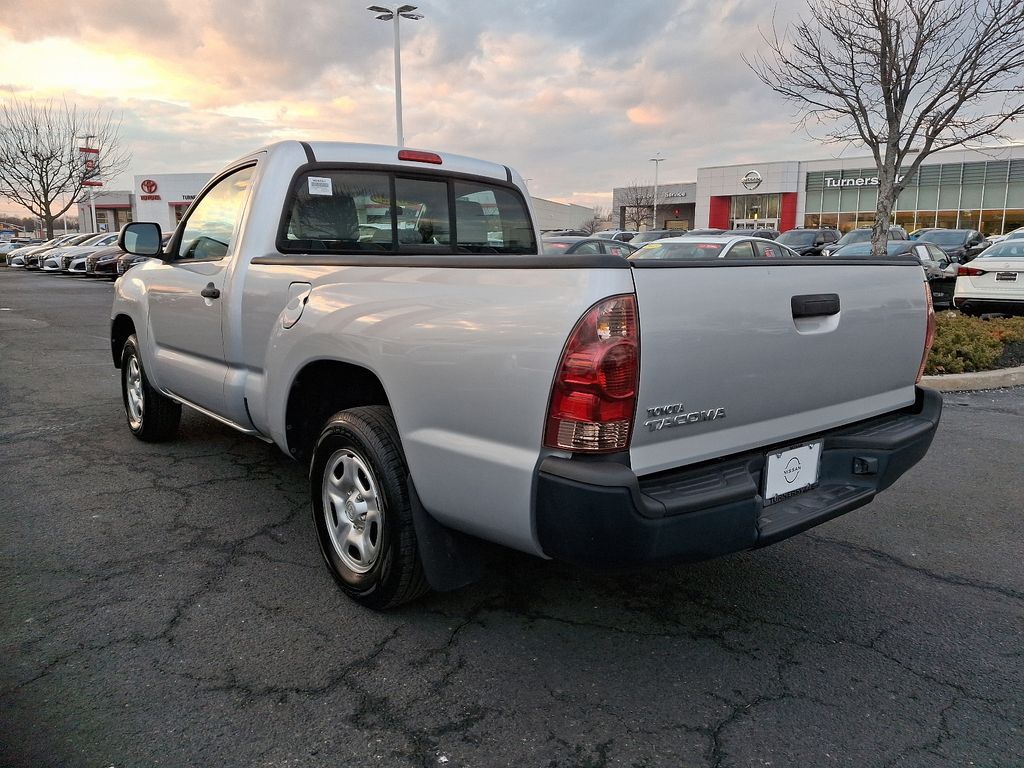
{"x":385,"y":315}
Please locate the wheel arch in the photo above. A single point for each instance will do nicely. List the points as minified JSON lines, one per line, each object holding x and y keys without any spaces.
{"x":320,"y":389}
{"x":121,"y":327}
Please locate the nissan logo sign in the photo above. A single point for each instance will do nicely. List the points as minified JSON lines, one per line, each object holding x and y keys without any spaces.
{"x":751,"y":180}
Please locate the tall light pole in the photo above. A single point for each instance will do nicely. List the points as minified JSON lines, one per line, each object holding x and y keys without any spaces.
{"x":388,"y":14}
{"x":654,"y":213}
{"x":92,"y":200}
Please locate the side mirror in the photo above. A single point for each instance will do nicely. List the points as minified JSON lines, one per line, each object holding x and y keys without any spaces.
{"x":140,"y":238}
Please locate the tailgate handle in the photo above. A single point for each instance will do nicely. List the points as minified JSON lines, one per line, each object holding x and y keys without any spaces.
{"x":815,"y":304}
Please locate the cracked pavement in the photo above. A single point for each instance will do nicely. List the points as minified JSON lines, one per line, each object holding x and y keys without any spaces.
{"x":167,"y":605}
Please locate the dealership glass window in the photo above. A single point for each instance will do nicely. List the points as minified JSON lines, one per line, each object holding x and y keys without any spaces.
{"x":970,"y":196}
{"x":949,"y":196}
{"x":1014,"y":219}
{"x":924,"y":219}
{"x":907,"y":201}
{"x":928,"y":198}
{"x":905,"y":219}
{"x":868,"y":199}
{"x":847,"y":221}
{"x":830,"y":220}
{"x":1015,"y":194}
{"x":830,"y":200}
{"x":946,"y":219}
{"x":849,"y":199}
{"x":994,"y":195}
{"x":992,"y":221}
{"x":812,"y":220}
{"x":968,"y":219}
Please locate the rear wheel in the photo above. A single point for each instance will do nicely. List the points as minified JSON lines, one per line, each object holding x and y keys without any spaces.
{"x":152,"y":416}
{"x":361,"y":508}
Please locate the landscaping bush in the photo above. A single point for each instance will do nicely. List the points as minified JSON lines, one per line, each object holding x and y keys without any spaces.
{"x":964,"y":344}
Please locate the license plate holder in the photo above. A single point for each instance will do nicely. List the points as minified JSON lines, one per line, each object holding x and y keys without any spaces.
{"x":791,"y":471}
{"x":1008,"y":277}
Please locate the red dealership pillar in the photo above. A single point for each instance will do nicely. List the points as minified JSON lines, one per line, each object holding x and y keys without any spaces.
{"x":787,"y":212}
{"x":718,"y":216}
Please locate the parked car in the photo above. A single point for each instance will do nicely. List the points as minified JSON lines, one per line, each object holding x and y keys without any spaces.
{"x":693,"y":247}
{"x":918,"y":232}
{"x":103,"y":262}
{"x":655,"y":234}
{"x":809,"y":241}
{"x":566,"y":233}
{"x":18,"y":257}
{"x":766,"y":234}
{"x":129,"y":260}
{"x":960,"y":245}
{"x":993,"y":282}
{"x":862,"y":235}
{"x":623,"y":235}
{"x":940,"y":274}
{"x":568,"y":245}
{"x":1017,"y":234}
{"x":35,"y":260}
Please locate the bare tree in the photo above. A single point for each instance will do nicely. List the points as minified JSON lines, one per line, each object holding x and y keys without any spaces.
{"x":904,"y":78}
{"x":638,"y":201}
{"x":597,"y":222}
{"x":40,"y":166}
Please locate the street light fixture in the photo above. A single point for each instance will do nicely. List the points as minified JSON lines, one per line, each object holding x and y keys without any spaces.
{"x":388,"y":14}
{"x":654,"y":210}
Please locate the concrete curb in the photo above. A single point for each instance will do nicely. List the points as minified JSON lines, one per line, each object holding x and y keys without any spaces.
{"x":962,"y":382}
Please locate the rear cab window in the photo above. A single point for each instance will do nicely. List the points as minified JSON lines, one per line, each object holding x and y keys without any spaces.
{"x":338,"y":210}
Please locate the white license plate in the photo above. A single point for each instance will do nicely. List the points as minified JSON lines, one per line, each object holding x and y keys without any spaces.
{"x":791,"y":471}
{"x":1009,"y":277}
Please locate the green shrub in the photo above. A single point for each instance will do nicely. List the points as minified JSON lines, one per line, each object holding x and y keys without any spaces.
{"x":964,"y":344}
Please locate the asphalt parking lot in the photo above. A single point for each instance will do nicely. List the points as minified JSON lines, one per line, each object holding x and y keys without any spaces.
{"x":166,"y":605}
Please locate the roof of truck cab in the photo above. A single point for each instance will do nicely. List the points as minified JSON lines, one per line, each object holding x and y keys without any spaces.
{"x":384,"y":154}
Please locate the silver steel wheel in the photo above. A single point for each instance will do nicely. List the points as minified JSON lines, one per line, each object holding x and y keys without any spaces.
{"x":353,"y":510}
{"x":133,"y":390}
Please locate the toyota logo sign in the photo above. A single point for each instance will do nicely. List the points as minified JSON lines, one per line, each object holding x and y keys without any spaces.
{"x":148,"y":186}
{"x":751,"y":180}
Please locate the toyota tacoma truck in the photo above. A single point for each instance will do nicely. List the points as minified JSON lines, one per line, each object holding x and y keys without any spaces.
{"x":384,"y":315}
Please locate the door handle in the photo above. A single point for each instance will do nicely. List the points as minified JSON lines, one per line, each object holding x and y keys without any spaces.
{"x":210,"y":292}
{"x":815,"y":304}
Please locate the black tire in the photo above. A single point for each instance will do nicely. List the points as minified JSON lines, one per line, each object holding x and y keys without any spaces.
{"x":385,"y":570}
{"x":152,"y":417}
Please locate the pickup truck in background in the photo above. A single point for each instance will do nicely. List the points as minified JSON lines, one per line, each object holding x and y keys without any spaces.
{"x":385,"y":316}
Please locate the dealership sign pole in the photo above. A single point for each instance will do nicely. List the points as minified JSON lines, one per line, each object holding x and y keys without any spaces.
{"x":90,"y":170}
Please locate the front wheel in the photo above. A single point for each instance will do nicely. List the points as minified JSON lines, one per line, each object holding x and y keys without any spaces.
{"x":361,"y":508}
{"x":152,"y":416}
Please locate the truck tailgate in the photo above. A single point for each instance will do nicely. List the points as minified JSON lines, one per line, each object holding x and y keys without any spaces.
{"x":738,"y":356}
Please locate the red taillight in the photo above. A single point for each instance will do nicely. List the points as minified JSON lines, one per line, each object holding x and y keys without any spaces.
{"x":929,"y":334}
{"x":593,"y":400}
{"x":417,"y":156}
{"x":963,"y":271}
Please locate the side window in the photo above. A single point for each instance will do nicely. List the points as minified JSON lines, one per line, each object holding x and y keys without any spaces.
{"x":741,"y":250}
{"x":589,"y":248}
{"x":617,"y":250}
{"x":491,"y":220}
{"x":339,"y":211}
{"x":422,"y":208}
{"x":211,"y":225}
{"x":769,"y":250}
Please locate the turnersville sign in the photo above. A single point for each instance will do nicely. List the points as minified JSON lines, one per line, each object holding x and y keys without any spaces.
{"x":860,"y":181}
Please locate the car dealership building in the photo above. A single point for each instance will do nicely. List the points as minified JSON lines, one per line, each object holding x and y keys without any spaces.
{"x":979,"y":189}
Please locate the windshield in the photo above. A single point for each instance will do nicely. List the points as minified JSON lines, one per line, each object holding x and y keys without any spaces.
{"x":647,"y":237}
{"x":1008,"y":249}
{"x":798,"y":237}
{"x":855,"y":236}
{"x":892,"y":248}
{"x":660,"y":249}
{"x":945,"y":236}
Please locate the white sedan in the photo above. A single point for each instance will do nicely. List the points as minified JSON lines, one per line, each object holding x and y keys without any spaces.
{"x":993,"y":282}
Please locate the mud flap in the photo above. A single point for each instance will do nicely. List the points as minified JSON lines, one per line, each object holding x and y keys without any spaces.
{"x":451,"y":559}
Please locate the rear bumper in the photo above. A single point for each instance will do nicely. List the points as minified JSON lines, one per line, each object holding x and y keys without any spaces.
{"x":970,"y":305}
{"x":599,"y":514}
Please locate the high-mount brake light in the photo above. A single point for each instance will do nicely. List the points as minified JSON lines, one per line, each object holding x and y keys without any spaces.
{"x":593,"y":400}
{"x":929,"y":334}
{"x":963,"y":271}
{"x":417,"y":156}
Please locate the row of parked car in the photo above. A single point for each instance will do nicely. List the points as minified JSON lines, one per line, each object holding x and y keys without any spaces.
{"x":92,"y":254}
{"x":992,"y":283}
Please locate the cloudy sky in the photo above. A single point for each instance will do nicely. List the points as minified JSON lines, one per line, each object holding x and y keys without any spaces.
{"x":576,"y":94}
